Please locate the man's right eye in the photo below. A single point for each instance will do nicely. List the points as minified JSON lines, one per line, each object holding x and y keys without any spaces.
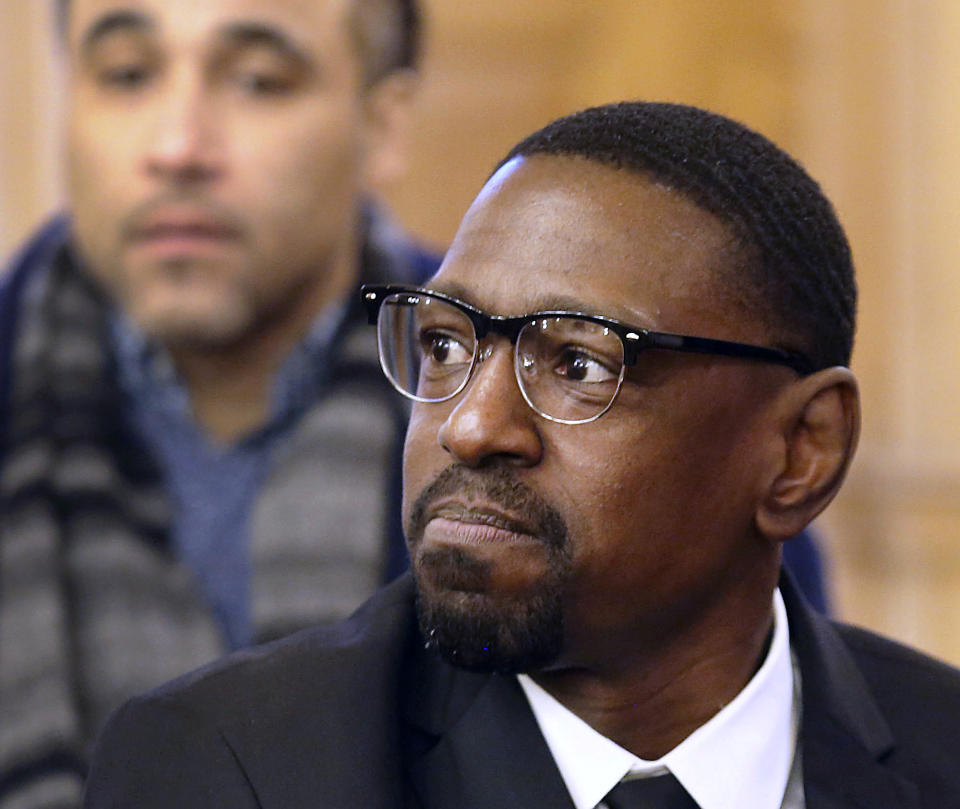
{"x":444,"y":349}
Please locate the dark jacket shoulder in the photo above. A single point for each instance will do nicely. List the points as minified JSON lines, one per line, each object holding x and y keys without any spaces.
{"x":369,"y":644}
{"x":920,"y":699}
{"x":311,"y":719}
{"x":879,"y":719}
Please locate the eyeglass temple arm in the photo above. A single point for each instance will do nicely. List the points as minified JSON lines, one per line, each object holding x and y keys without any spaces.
{"x":707,"y":345}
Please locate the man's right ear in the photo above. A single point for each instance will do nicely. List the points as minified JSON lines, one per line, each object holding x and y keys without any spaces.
{"x":819,"y":424}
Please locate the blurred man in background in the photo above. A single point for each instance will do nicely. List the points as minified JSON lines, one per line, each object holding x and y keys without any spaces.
{"x":197,"y":448}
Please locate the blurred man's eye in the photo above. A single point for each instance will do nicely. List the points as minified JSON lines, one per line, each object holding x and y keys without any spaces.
{"x":264,"y":83}
{"x":260,"y":71}
{"x":123,"y":76}
{"x":121,"y":62}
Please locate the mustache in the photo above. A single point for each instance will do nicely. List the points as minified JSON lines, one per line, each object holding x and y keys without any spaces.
{"x":497,"y":485}
{"x":137,"y":218}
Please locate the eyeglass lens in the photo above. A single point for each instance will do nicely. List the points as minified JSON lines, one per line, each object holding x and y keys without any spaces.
{"x":568,"y":369}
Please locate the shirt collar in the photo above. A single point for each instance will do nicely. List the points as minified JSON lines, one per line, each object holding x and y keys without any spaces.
{"x":740,"y":757}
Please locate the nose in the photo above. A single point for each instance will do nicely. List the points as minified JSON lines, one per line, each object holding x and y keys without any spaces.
{"x":183,"y":142}
{"x":490,"y":419}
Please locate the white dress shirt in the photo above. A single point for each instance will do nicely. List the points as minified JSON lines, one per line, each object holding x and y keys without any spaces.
{"x":742,"y":757}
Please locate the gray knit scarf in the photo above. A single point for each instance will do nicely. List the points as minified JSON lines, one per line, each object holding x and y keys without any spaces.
{"x":93,"y":606}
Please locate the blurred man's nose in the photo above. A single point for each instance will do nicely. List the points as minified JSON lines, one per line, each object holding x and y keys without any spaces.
{"x":184,"y":143}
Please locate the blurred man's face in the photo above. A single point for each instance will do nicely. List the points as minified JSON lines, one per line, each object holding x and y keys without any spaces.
{"x":536,"y":543}
{"x":217,"y":149}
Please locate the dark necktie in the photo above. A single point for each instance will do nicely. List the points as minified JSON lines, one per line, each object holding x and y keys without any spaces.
{"x":659,"y":792}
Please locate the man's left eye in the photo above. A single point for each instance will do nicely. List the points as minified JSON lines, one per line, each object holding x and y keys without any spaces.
{"x":263,"y":83}
{"x":579,"y":366}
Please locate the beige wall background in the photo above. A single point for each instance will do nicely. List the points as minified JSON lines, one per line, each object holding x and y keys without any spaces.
{"x":866,"y":93}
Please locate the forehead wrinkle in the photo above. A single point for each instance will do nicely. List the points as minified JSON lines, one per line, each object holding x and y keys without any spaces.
{"x":122,"y":20}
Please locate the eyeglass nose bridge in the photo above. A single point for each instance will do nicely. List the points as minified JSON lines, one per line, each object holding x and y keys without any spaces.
{"x":509,"y":327}
{"x":483,"y":352}
{"x":483,"y":326}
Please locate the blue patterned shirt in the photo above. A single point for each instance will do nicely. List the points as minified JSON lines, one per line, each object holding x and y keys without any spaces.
{"x":213,"y":486}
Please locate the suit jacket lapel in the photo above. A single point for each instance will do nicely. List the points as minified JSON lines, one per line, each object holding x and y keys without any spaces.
{"x":475,"y":743}
{"x":844,"y":738}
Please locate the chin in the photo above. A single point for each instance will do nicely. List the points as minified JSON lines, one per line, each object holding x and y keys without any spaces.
{"x":186,"y":323}
{"x":189,"y":303}
{"x":482,"y":629}
{"x":479,"y":633}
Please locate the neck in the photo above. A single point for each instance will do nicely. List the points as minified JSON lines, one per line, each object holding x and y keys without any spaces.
{"x":229,"y":385}
{"x":651,"y":699}
{"x":229,"y":393}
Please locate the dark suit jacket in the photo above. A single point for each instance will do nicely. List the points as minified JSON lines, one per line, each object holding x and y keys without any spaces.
{"x":360,"y":716}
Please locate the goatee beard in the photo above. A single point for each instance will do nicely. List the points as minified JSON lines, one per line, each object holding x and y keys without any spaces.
{"x":470,"y":627}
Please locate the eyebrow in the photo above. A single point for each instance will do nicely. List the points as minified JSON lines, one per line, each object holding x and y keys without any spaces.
{"x":259,"y":34}
{"x":237,"y":33}
{"x":119,"y":20}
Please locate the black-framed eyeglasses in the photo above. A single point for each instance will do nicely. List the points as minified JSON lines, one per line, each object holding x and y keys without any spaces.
{"x":569,"y":365}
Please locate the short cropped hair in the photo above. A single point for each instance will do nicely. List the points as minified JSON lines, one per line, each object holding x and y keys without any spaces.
{"x":387,"y":34}
{"x":797,"y":275}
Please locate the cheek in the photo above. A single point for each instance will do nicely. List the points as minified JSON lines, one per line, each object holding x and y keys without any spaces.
{"x":629,"y":530}
{"x":303,"y":166}
{"x":303,"y":199}
{"x":100,"y":147}
{"x":602,"y":477}
{"x":598,"y":492}
{"x":101,"y":186}
{"x":637,"y":495}
{"x":88,"y":174}
{"x":423,"y":457}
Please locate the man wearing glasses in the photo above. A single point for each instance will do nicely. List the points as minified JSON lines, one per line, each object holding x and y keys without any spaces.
{"x":630,"y":386}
